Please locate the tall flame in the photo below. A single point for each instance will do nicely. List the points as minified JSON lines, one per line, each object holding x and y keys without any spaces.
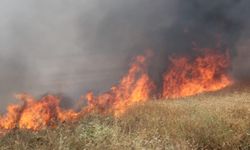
{"x":134,"y":87}
{"x":205,"y":73}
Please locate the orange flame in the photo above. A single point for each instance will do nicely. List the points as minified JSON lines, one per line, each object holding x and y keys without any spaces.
{"x":35,"y":114}
{"x":134,"y":87}
{"x":186,"y":77}
{"x":204,"y":74}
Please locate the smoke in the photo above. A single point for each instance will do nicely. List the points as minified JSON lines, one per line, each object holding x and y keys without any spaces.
{"x":69,"y":47}
{"x":241,"y":64}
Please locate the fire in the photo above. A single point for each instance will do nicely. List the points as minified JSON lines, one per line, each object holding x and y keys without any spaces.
{"x":35,"y":114}
{"x":204,"y":73}
{"x":134,"y":87}
{"x":186,"y":77}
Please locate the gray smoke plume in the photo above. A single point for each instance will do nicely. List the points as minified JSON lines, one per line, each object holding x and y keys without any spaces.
{"x":69,"y":47}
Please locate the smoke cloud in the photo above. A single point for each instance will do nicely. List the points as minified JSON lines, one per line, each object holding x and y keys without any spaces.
{"x":69,"y":47}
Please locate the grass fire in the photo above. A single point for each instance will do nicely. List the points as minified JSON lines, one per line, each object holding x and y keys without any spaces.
{"x":125,"y":74}
{"x":184,"y":78}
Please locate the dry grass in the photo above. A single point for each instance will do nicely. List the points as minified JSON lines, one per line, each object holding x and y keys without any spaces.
{"x":208,"y":121}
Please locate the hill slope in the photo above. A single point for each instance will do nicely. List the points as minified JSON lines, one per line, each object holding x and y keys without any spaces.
{"x":208,"y":121}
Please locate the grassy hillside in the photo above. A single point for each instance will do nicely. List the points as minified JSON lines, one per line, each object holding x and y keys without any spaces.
{"x":208,"y":121}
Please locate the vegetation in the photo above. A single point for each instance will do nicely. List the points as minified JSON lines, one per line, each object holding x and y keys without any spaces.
{"x":208,"y":121}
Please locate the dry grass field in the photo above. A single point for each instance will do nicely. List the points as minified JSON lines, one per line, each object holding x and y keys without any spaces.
{"x":218,"y":120}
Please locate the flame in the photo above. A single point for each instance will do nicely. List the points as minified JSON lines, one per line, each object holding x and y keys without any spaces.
{"x":134,"y":87}
{"x":9,"y":120}
{"x":204,"y":73}
{"x":35,"y":114}
{"x":186,"y":77}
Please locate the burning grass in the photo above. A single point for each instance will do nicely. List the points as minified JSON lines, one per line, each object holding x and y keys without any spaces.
{"x":208,"y":121}
{"x":127,"y":117}
{"x":206,"y":72}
